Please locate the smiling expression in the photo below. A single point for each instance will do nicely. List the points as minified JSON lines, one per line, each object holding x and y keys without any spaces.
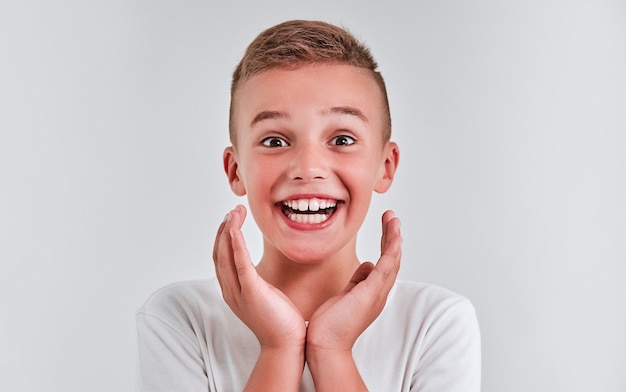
{"x":309,"y":152}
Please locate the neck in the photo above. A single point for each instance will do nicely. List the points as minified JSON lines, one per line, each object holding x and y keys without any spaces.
{"x":308,"y":285}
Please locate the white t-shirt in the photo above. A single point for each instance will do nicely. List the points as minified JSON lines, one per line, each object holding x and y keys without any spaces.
{"x":426,"y":339}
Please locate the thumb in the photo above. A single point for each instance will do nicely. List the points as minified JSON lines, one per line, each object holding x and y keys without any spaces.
{"x":361,"y":273}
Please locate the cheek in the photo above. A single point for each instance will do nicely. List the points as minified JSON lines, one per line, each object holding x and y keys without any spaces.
{"x":360,"y":180}
{"x":363,"y":171}
{"x":259,"y":177}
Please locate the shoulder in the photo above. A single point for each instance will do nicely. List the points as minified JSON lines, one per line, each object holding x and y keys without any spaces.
{"x":429,"y":305}
{"x":427,"y":296}
{"x":433,"y":336}
{"x":182,"y":302}
{"x":173,"y":327}
{"x":184,"y":293}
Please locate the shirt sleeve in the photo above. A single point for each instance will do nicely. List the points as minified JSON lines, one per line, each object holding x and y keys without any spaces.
{"x":451,"y":361}
{"x":168,"y":360}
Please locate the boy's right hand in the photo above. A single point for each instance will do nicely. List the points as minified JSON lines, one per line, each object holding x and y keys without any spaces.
{"x":267,"y":311}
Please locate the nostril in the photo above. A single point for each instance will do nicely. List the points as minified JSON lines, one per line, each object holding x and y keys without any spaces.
{"x":299,"y":178}
{"x":307,"y":165}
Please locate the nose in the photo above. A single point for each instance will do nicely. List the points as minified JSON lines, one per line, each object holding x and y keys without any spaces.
{"x":308,"y":163}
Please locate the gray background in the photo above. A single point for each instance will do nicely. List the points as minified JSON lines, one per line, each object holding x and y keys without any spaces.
{"x":511,"y":120}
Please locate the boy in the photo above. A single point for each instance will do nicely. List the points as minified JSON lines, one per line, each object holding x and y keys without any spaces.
{"x":310,"y":132}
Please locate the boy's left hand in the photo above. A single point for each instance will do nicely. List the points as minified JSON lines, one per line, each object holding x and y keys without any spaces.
{"x":337,"y":324}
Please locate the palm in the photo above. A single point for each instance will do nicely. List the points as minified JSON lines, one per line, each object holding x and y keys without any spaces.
{"x":270,"y":315}
{"x":340,"y":320}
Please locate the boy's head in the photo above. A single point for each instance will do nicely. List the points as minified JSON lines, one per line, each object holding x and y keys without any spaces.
{"x":296,"y":43}
{"x":310,"y":139}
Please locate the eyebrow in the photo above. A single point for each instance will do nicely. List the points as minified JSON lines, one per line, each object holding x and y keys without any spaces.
{"x":347,"y":110}
{"x":267,"y":115}
{"x":340,"y":110}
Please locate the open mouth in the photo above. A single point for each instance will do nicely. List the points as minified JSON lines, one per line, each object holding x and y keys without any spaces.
{"x":309,"y":211}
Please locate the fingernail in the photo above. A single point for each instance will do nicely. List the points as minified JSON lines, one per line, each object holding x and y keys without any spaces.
{"x":227,"y":217}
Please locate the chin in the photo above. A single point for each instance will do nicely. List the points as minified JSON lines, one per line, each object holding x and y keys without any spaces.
{"x":308,"y":256}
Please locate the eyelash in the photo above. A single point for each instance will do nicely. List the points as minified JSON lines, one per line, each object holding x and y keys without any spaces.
{"x":268,"y":141}
{"x":344,"y":137}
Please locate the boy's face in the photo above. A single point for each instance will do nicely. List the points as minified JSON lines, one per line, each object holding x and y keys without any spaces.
{"x":309,"y":152}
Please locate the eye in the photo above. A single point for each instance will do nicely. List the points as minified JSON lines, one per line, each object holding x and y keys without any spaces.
{"x":342,"y":140}
{"x":274,"y":141}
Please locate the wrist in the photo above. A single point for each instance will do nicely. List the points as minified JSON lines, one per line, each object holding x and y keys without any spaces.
{"x":278,"y":368}
{"x":314,"y":352}
{"x":287,"y":353}
{"x":326,"y":360}
{"x":282,"y":357}
{"x":334,"y":370}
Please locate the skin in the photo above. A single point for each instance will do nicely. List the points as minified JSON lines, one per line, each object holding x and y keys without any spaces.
{"x":314,"y":132}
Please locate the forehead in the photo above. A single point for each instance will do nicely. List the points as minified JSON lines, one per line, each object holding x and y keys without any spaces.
{"x":310,"y":88}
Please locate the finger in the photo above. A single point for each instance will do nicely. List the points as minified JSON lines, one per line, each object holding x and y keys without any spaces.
{"x":220,"y":233}
{"x":220,"y":230}
{"x":387,"y":216}
{"x":242,"y":262}
{"x":391,"y":230}
{"x":389,"y":261}
{"x":361,"y":273}
{"x":240,"y":251}
{"x":239,"y":215}
{"x":245,"y":270}
{"x":217,"y":248}
{"x":377,"y":281}
{"x":388,"y":264}
{"x":391,"y":244}
{"x":223,"y":253}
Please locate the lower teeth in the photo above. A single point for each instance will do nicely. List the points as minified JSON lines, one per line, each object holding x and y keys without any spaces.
{"x":308,"y":218}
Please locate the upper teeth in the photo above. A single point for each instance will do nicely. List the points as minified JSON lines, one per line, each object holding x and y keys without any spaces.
{"x":310,"y":204}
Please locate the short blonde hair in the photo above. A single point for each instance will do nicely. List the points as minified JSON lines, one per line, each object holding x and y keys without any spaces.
{"x":295,"y":43}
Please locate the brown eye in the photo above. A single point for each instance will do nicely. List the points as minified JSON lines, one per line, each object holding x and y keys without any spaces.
{"x":342,"y":140}
{"x":274,"y":141}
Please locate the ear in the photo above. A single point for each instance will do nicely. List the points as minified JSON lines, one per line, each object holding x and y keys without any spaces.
{"x":231,"y":167}
{"x":391,"y":155}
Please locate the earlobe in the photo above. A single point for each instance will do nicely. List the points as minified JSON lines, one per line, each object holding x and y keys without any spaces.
{"x":388,"y":168}
{"x":231,"y":167}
